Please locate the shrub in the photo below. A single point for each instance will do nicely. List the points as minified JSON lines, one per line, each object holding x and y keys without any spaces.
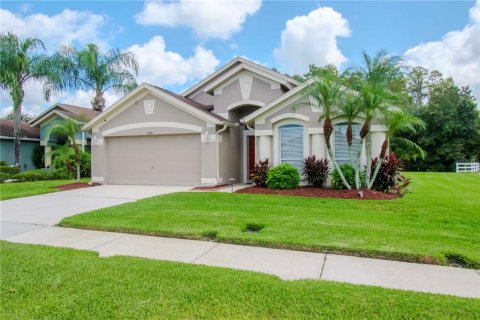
{"x":68,"y":164}
{"x":38,"y":157}
{"x":260,"y":172}
{"x":3,"y":177}
{"x":389,"y":178}
{"x":41,"y":175}
{"x":3,"y":163}
{"x":315,"y":171}
{"x":10,"y":170}
{"x":253,"y":227}
{"x":349,"y":173}
{"x":283,"y":176}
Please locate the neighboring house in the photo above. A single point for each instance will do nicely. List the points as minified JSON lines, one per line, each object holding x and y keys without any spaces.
{"x":56,"y":113}
{"x":29,"y":139}
{"x":213,"y":131}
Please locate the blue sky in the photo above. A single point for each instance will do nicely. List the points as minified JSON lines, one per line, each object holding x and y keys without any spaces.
{"x":178,"y":43}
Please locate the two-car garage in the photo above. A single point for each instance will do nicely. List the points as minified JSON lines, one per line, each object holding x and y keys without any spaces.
{"x":154,"y":160}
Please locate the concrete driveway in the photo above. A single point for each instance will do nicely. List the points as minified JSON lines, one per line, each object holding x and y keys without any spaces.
{"x":30,"y":213}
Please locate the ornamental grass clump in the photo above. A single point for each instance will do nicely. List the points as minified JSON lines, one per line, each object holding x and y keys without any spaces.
{"x":283,"y":176}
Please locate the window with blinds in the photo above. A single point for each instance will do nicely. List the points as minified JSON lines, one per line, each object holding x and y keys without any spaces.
{"x":341,"y":147}
{"x":291,"y":145}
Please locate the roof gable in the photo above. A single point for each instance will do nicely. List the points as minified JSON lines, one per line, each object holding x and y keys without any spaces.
{"x":76,"y":113}
{"x":238,"y":64}
{"x":192,"y":107}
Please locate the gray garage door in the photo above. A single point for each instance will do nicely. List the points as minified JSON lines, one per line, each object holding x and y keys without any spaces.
{"x":154,"y":160}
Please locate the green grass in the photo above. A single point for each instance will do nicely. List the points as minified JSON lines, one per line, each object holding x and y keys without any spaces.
{"x":26,"y":189}
{"x":439,"y":219}
{"x":53,"y":283}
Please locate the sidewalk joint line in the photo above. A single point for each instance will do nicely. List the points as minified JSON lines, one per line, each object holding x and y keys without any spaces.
{"x":203,"y":254}
{"x":109,"y":241}
{"x":323,"y":266}
{"x":28,"y":223}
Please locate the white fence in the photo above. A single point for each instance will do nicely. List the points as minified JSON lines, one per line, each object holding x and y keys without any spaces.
{"x":467,"y":167}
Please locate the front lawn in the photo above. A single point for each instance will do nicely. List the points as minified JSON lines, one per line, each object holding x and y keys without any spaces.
{"x":24,"y":189}
{"x":44,"y":282}
{"x":439,"y":220}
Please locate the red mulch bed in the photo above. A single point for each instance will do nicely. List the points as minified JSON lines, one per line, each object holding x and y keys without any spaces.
{"x":75,"y":185}
{"x":211,"y":188}
{"x":322,"y":193}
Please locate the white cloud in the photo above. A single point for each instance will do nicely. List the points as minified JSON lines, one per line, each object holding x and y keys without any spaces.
{"x":66,"y":27}
{"x":218,"y":19}
{"x":160,"y":67}
{"x":312,"y":39}
{"x":457,"y":54}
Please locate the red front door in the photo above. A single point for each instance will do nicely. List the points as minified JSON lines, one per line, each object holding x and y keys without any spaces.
{"x":251,"y":154}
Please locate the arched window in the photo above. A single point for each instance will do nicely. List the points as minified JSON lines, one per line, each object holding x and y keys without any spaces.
{"x":291,"y":145}
{"x":341,"y":147}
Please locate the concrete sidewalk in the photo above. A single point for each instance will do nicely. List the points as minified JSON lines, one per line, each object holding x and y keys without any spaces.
{"x":286,"y":264}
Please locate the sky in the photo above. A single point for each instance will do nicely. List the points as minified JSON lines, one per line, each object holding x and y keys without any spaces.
{"x":177,"y":43}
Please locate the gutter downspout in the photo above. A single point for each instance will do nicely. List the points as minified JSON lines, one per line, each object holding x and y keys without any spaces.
{"x":217,"y":146}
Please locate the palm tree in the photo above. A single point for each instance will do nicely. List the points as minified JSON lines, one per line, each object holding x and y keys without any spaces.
{"x":20,"y":63}
{"x":68,"y":128}
{"x":398,"y":121}
{"x":350,"y":108}
{"x":327,"y":91}
{"x":378,"y":90}
{"x":91,"y":69}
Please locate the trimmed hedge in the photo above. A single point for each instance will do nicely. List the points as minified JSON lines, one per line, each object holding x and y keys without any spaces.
{"x":10,"y":170}
{"x":3,"y":177}
{"x":41,"y":175}
{"x":283,"y":176}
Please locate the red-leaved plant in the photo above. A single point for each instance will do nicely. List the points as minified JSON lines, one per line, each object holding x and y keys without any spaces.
{"x":390,"y":178}
{"x":258,"y":175}
{"x":315,"y":171}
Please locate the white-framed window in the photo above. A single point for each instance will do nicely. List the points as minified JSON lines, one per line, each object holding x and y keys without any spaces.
{"x":341,"y":147}
{"x":291,"y":144}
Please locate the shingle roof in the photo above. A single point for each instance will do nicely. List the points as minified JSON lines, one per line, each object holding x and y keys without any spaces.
{"x":26,"y":131}
{"x":193,"y":103}
{"x":77,"y":112}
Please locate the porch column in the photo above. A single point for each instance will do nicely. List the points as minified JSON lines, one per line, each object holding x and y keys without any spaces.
{"x":319,"y":149}
{"x":264,"y":147}
{"x":48,"y":156}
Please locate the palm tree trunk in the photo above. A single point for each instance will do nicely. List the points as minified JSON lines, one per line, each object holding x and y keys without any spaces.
{"x":368,"y":152}
{"x":353,"y":161}
{"x":98,"y":102}
{"x":379,"y":163}
{"x":78,"y":172}
{"x":328,"y":129}
{"x":17,"y":122}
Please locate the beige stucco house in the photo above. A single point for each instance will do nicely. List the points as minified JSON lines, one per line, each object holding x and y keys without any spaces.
{"x":214,"y":131}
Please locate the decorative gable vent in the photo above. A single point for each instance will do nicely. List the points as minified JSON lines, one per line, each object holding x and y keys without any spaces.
{"x":246,"y":86}
{"x":149,"y":105}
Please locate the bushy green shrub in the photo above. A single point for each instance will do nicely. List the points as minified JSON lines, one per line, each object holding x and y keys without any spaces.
{"x":10,"y":170}
{"x":3,"y":163}
{"x":3,"y":177}
{"x":260,"y":172}
{"x":38,"y":157}
{"x":349,"y":173}
{"x":283,"y":176}
{"x":68,"y":164}
{"x":315,"y":171}
{"x":41,"y":175}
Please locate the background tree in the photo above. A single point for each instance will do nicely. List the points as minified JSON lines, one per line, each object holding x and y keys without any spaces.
{"x":21,"y":63}
{"x":91,"y":69}
{"x":69,"y":129}
{"x":23,"y":117}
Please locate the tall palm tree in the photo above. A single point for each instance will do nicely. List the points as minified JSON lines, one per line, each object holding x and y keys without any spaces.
{"x":20,"y":63}
{"x":91,"y":69}
{"x":350,"y":109}
{"x":327,"y":91}
{"x":68,"y":128}
{"x":398,"y":121}
{"x":379,"y":90}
